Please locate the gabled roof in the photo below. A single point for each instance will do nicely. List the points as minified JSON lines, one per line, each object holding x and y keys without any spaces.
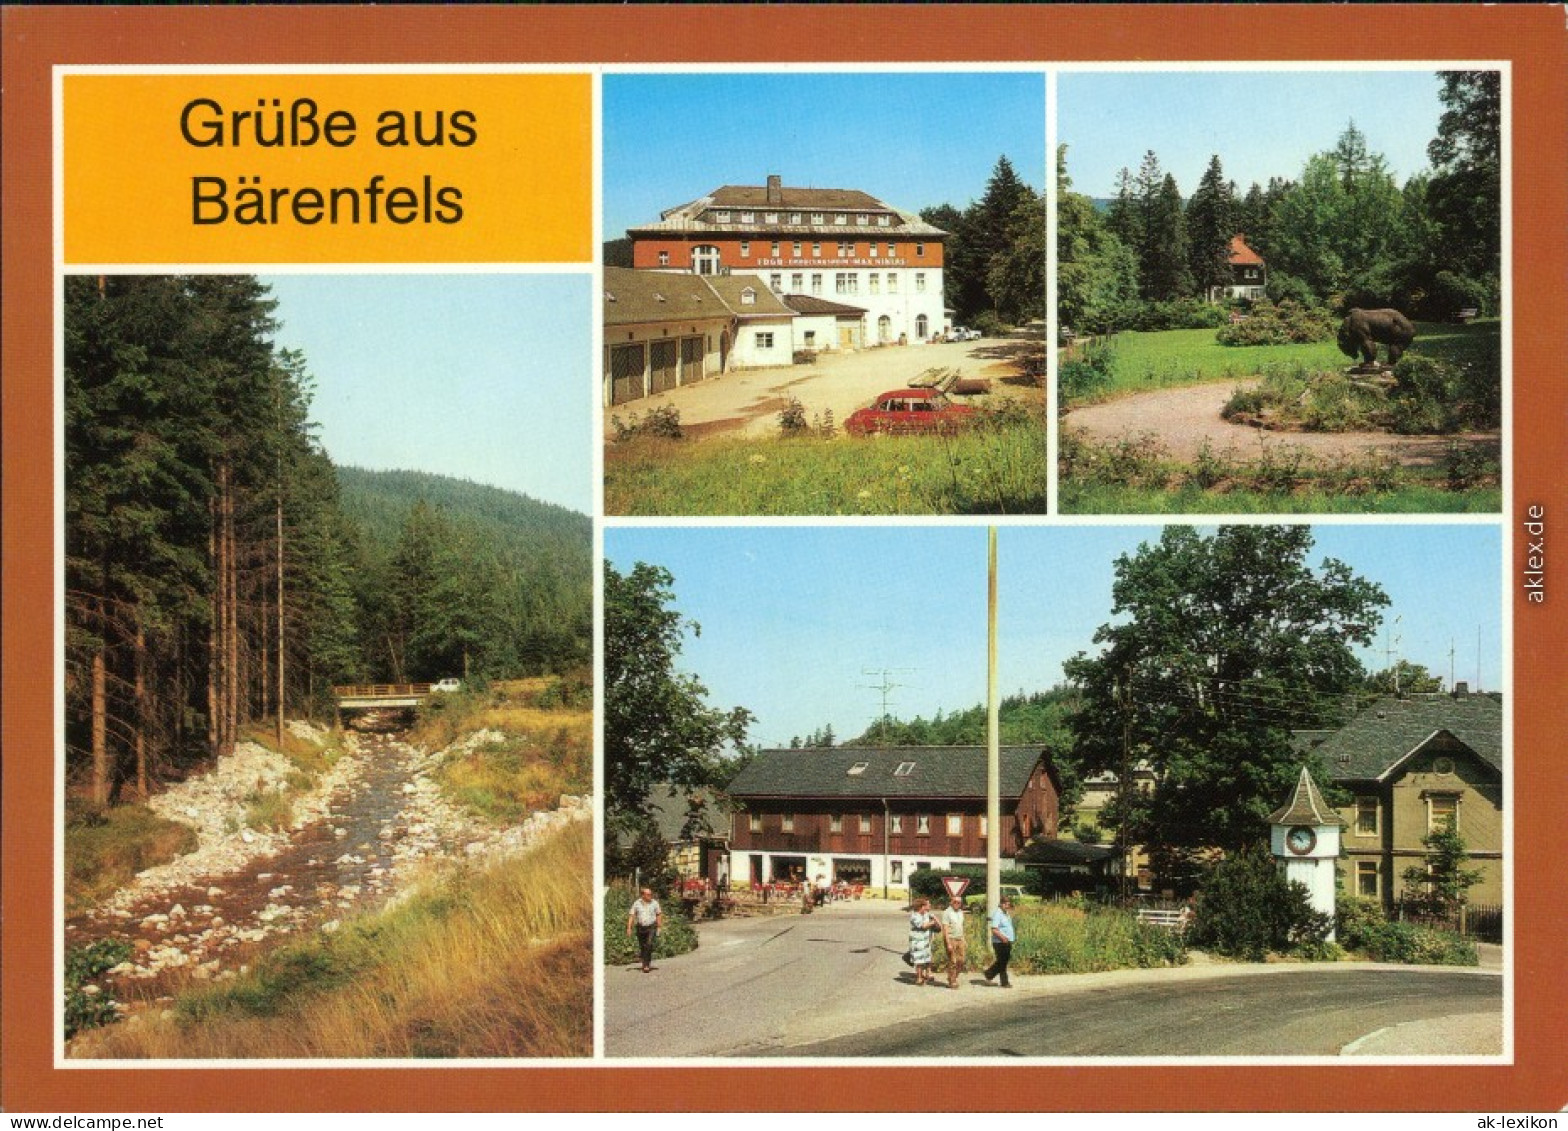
{"x":1374,"y":744}
{"x":690,"y":217}
{"x":811,"y":304}
{"x":1242,"y":255}
{"x":929,"y":771}
{"x":670,"y":806}
{"x":1306,"y":806}
{"x":633,"y":297}
{"x":764,"y":302}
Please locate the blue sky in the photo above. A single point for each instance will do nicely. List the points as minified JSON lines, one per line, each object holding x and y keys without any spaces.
{"x":481,"y":377}
{"x":1260,"y":124}
{"x":793,"y":618}
{"x":912,"y":140}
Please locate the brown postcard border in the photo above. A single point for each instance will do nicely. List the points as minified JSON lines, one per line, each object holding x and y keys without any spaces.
{"x":1531,"y":37}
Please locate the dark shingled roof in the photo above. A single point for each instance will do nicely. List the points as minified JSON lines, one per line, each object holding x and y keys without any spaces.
{"x":1064,"y":852}
{"x":1306,"y":806}
{"x":1385,"y":734}
{"x":756,"y":196}
{"x":938,"y":771}
{"x":811,"y":304}
{"x":670,"y":807}
{"x":632,"y":297}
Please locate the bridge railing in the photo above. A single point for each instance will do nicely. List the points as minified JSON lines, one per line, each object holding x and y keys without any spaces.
{"x":381,"y":690}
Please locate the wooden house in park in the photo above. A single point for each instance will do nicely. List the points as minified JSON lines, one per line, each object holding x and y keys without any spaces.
{"x":873,"y":815}
{"x":1248,"y":273}
{"x":1413,"y":765}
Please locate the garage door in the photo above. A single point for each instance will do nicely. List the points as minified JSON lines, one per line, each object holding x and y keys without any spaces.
{"x":626,"y":367}
{"x":663,"y":366}
{"x":691,"y":360}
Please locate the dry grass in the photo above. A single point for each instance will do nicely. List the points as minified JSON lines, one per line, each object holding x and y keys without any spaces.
{"x":104,"y":849}
{"x":489,"y":963}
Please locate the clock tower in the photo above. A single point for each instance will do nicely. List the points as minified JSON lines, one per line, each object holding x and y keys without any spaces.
{"x":1304,"y":833}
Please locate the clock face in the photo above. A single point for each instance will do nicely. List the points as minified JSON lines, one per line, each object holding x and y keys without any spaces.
{"x":1301,"y":840}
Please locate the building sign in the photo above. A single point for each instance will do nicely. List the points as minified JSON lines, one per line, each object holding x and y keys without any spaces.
{"x":833,"y":261}
{"x":956,"y":886}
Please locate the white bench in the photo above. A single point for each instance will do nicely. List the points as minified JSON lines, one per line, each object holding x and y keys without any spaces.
{"x":1171,"y":918}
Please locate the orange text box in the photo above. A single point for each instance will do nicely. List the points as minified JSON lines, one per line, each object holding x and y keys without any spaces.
{"x":306,"y":168}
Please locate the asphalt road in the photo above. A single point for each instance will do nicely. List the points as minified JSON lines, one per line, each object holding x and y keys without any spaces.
{"x":831,"y":985}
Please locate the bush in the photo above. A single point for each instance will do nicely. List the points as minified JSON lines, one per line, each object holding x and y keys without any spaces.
{"x":1277,"y":325}
{"x":86,"y":1005}
{"x":1452,"y":293}
{"x":1246,"y":908}
{"x":988,"y":323}
{"x":1087,"y":373}
{"x":1069,"y":938}
{"x":664,"y":423}
{"x":1177,"y":314}
{"x":928,"y":881}
{"x":677,"y":936}
{"x":792,"y":418}
{"x":1363,"y":927}
{"x":1288,"y":288}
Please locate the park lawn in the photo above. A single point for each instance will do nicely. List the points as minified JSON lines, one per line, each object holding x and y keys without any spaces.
{"x":1170,"y":358}
{"x":1113,"y":498}
{"x":987,"y":470}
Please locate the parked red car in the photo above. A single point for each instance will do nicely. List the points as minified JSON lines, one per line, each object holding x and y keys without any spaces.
{"x":910,"y":411}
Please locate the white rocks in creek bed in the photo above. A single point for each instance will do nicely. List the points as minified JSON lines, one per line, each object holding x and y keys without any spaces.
{"x":299,"y":728}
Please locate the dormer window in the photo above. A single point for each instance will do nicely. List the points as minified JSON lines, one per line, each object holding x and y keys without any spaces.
{"x":841,"y":219}
{"x":794,"y":217}
{"x":818,"y":217}
{"x":857,"y":769}
{"x":721,"y":217}
{"x":748,"y":297}
{"x":862,"y":219}
{"x":884,"y":221}
{"x":770,"y":217}
{"x":904,"y":770}
{"x":748,"y":217}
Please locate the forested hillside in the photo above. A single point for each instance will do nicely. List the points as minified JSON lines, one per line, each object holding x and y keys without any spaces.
{"x":214,"y":576}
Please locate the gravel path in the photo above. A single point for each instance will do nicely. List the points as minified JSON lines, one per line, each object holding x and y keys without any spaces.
{"x":1185,"y":419}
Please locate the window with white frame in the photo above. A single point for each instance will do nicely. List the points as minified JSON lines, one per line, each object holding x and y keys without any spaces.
{"x":818,"y":217}
{"x":776,"y":282}
{"x":796,"y":281}
{"x":923,"y":824}
{"x":841,"y":219}
{"x":765,"y":342}
{"x":920,"y":282}
{"x":721,"y":217}
{"x":895,"y":824}
{"x":664,"y":259}
{"x":794,"y":217}
{"x":811,"y":339}
{"x":795,"y":249}
{"x":884,"y":220}
{"x":770,"y":217}
{"x":1366,"y":816}
{"x":748,"y":217}
{"x":1367,"y":878}
{"x":845,"y":250}
{"x":748,"y":297}
{"x":922,"y":326}
{"x":816,"y":284}
{"x":754,"y":822}
{"x":745,"y":249}
{"x":816,"y":250}
{"x":904,"y":770}
{"x":872,"y":249}
{"x":835,"y":823}
{"x":896,"y":872}
{"x":775,"y":249}
{"x":892,"y":283}
{"x":857,"y":769}
{"x":955,"y":824}
{"x":874,"y":281}
{"x":862,"y":219}
{"x":788,"y":822}
{"x":892,"y":250}
{"x":705,"y":259}
{"x":865,"y":823}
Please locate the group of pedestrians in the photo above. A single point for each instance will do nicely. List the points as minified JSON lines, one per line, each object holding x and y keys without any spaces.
{"x":924,"y":926}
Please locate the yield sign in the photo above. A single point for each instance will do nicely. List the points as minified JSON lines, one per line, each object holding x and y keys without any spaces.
{"x":956,"y":886}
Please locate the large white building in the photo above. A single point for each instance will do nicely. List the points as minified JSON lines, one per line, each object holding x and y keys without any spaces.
{"x":836,"y":244}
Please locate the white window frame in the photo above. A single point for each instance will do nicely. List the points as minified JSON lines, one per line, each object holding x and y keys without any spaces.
{"x":787,"y":822}
{"x":904,"y":770}
{"x":955,"y":824}
{"x":764,"y":339}
{"x":835,"y":822}
{"x":865,"y":823}
{"x":816,"y":283}
{"x":922,"y":824}
{"x":895,"y":824}
{"x":745,"y":249}
{"x":920,"y":282}
{"x":775,"y":249}
{"x":748,"y":217}
{"x":721,"y":217}
{"x":664,"y":259}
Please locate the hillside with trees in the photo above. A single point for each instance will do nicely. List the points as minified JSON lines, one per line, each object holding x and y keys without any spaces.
{"x":218,"y":570}
{"x":1340,"y":231}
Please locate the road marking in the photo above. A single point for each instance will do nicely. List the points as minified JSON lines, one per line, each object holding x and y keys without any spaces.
{"x":1359,"y":1041}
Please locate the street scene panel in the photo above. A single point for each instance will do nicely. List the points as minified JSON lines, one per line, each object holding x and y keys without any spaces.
{"x":328,"y":632}
{"x":1280,"y":292}
{"x":1239,"y":773}
{"x":800,"y":323}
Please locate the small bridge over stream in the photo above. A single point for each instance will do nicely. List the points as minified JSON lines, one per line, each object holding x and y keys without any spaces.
{"x":370,"y":696}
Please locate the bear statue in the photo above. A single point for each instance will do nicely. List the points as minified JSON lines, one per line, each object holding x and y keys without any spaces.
{"x":1363,"y":329}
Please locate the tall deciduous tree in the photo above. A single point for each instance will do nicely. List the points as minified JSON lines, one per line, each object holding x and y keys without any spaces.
{"x":658,"y":726}
{"x":1096,"y":275}
{"x":1466,"y":156}
{"x":1223,"y":644}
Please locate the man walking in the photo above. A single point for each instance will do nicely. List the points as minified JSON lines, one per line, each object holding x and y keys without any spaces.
{"x":1001,"y":942}
{"x":953,"y":936}
{"x":647,"y":916}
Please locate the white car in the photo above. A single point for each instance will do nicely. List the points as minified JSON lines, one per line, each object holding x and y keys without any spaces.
{"x":963,"y":334}
{"x":448,"y":684}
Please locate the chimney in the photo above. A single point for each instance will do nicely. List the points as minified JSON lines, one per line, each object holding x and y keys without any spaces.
{"x":775,"y":189}
{"x":1461,"y":690}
